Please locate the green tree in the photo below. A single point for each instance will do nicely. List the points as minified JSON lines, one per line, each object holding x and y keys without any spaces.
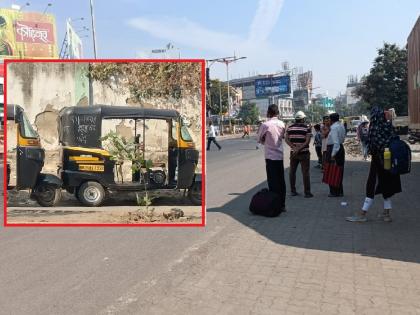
{"x":249,"y":113}
{"x":386,"y":83}
{"x":218,"y":88}
{"x":315,"y":113}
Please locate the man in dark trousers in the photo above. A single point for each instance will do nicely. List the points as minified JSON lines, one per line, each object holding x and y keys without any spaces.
{"x":212,"y":137}
{"x":271,"y":134}
{"x":335,"y":150}
{"x":298,"y":136}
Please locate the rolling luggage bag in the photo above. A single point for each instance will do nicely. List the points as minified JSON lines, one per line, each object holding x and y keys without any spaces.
{"x":266,"y":203}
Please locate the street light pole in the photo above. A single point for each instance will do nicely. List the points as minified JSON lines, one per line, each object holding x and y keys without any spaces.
{"x":93,"y":28}
{"x":227,"y":61}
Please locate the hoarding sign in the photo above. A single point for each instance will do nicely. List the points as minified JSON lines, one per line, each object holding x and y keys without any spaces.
{"x":272,"y":86}
{"x":33,"y":32}
{"x":75,"y":43}
{"x":27,"y":35}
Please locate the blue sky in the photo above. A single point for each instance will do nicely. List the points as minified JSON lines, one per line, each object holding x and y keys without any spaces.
{"x":332,"y":38}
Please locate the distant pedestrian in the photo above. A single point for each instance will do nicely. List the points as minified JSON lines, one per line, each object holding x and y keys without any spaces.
{"x":345,"y":127}
{"x":335,"y":151}
{"x":298,"y":136}
{"x":380,"y":181}
{"x":318,"y":144}
{"x":258,"y":131}
{"x":271,"y":134}
{"x":325,"y":130}
{"x":247,"y":129}
{"x":212,"y":137}
{"x":363,"y":136}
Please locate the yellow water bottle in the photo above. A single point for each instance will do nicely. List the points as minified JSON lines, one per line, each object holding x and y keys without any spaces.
{"x":387,"y":159}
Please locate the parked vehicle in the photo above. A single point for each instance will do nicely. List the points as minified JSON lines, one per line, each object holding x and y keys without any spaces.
{"x":354,"y":124}
{"x":413,"y":48}
{"x":30,"y":156}
{"x":88,"y":170}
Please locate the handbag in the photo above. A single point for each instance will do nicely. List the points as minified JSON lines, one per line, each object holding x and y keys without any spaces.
{"x":333,"y":174}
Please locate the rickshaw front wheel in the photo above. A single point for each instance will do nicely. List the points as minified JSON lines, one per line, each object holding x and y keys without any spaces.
{"x":47,"y":195}
{"x":91,"y":194}
{"x":194,"y":193}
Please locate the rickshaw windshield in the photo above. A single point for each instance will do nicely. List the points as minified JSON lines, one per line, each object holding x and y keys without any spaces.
{"x":26,"y":129}
{"x":185,"y":134}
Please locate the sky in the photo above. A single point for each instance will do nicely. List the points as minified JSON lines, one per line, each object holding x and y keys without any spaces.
{"x":333,"y":38}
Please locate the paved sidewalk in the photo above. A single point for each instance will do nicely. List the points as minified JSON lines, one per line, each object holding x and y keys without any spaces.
{"x":307,"y":261}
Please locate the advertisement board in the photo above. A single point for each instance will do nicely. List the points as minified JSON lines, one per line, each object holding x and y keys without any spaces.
{"x":27,"y":35}
{"x":272,"y":86}
{"x":75,"y":43}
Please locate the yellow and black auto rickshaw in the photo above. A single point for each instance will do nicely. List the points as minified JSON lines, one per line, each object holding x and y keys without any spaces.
{"x":45,"y":188}
{"x":88,"y":170}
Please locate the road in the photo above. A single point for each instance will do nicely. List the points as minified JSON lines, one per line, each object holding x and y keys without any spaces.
{"x":93,"y":270}
{"x":308,"y":260}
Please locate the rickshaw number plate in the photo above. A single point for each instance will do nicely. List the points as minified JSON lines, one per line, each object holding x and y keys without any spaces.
{"x":92,"y":168}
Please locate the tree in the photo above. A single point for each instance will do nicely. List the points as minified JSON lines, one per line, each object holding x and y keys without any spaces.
{"x":315,"y":112}
{"x":386,"y":83}
{"x":218,"y":87}
{"x":249,"y":113}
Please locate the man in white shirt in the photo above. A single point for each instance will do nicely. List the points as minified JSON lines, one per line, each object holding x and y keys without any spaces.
{"x":335,"y":150}
{"x":212,"y":137}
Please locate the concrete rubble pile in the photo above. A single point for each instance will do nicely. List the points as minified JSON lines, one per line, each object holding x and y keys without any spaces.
{"x":352,"y":147}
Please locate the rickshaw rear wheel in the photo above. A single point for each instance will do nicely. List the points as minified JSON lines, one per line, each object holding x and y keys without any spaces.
{"x":47,"y":195}
{"x":194,"y":193}
{"x":91,"y":194}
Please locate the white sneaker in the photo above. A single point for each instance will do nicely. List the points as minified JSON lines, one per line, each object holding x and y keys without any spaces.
{"x":357,"y":218}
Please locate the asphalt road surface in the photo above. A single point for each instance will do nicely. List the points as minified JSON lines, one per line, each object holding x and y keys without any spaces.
{"x":111,"y":270}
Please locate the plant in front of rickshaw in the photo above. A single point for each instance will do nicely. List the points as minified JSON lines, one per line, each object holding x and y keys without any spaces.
{"x":118,"y":147}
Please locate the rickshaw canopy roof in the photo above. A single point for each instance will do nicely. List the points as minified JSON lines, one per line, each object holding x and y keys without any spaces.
{"x":12,"y":110}
{"x":81,"y":125}
{"x":110,"y":111}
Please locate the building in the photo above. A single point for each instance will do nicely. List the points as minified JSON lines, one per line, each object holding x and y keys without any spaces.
{"x":352,"y":84}
{"x":263,"y":90}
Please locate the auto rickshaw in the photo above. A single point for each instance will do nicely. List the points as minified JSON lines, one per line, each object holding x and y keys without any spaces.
{"x":30,"y":156}
{"x":88,"y":170}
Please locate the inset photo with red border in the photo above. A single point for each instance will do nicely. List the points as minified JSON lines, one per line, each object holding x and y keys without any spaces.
{"x":104,"y":142}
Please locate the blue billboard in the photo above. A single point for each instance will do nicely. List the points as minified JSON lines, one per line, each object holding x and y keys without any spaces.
{"x":272,"y":86}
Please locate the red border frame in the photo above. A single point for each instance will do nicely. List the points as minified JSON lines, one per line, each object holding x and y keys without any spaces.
{"x":203,"y":155}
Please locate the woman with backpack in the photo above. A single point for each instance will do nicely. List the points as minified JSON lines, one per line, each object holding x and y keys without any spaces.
{"x":380,"y":180}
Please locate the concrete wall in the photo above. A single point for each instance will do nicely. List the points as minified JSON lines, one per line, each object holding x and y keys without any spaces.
{"x":42,"y":89}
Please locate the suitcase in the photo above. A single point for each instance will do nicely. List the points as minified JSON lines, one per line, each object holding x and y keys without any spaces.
{"x":266,"y":203}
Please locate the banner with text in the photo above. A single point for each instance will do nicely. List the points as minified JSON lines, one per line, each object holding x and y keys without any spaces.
{"x":272,"y":86}
{"x":27,"y":35}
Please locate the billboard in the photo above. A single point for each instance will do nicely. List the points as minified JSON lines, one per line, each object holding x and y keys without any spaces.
{"x":75,"y":43}
{"x":272,"y":86}
{"x":27,"y":35}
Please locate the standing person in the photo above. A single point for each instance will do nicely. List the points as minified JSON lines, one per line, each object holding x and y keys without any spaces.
{"x":363,"y":136}
{"x":325,"y":130}
{"x":318,"y":144}
{"x":345,"y":127}
{"x":212,"y":137}
{"x":271,"y":134}
{"x":380,"y":181}
{"x":335,"y":150}
{"x":298,"y":136}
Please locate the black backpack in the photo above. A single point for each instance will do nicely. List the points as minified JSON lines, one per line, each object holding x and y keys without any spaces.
{"x":266,"y":203}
